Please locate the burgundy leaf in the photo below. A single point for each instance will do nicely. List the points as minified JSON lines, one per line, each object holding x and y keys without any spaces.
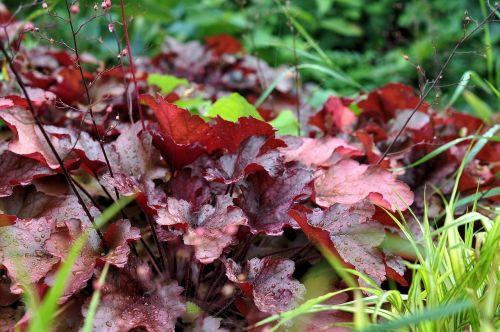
{"x":19,"y":170}
{"x":6,"y":296}
{"x":126,"y":305}
{"x":22,"y":250}
{"x":252,"y":156}
{"x":269,"y":282}
{"x":117,"y":237}
{"x":350,"y":232}
{"x":189,"y":187}
{"x":348,"y":182}
{"x":384,"y":102}
{"x":210,"y":230}
{"x":133,"y":154}
{"x":9,"y":318}
{"x":214,"y":229}
{"x":267,"y":201}
{"x":228,"y":135}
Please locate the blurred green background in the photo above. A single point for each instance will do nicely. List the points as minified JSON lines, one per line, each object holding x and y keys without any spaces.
{"x":365,"y":41}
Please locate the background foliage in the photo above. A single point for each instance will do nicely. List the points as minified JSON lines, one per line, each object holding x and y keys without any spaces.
{"x":367,"y":40}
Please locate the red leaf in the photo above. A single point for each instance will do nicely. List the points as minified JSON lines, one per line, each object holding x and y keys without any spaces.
{"x":117,"y":237}
{"x":30,"y":142}
{"x":269,"y":281}
{"x":385,"y":101}
{"x":352,"y":235}
{"x":343,"y":118}
{"x":127,"y":305}
{"x":252,"y":156}
{"x":22,"y":251}
{"x":184,"y":136}
{"x":348,"y":182}
{"x":210,"y":230}
{"x":223,"y":44}
{"x":18,"y":170}
{"x":317,"y":152}
{"x":267,"y":201}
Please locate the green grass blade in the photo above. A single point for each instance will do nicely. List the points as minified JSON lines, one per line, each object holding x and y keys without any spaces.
{"x":44,"y":315}
{"x":481,"y":143}
{"x":464,"y":81}
{"x":94,"y":302}
{"x":424,"y":315}
{"x":447,"y":146}
{"x":330,"y":72}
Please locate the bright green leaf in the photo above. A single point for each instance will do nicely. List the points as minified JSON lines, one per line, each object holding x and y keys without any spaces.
{"x":480,"y":107}
{"x":233,"y":107}
{"x":167,"y":83}
{"x":195,"y":105}
{"x":286,"y":123}
{"x":342,"y":27}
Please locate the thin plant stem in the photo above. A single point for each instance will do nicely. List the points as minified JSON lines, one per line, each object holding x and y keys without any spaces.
{"x":131,"y":62}
{"x":434,"y":82}
{"x":49,"y":142}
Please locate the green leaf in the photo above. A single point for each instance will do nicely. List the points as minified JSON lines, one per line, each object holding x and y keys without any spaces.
{"x":233,"y":107}
{"x":195,"y":105}
{"x":481,"y":109}
{"x":440,"y":312}
{"x":323,"y":6}
{"x":342,"y":27}
{"x":167,"y":83}
{"x":286,"y":123}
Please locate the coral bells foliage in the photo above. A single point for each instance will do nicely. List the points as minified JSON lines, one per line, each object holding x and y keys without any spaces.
{"x":225,"y":212}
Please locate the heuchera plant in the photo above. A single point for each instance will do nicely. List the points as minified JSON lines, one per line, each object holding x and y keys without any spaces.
{"x":226,"y":213}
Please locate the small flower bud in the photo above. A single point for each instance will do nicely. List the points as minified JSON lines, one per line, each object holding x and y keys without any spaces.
{"x":29,"y":27}
{"x":124,"y":52}
{"x":44,"y":5}
{"x":111,"y":27}
{"x":406,"y":57}
{"x":75,"y":9}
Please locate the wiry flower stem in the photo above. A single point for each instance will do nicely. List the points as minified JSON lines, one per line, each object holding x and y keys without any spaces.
{"x":49,"y":142}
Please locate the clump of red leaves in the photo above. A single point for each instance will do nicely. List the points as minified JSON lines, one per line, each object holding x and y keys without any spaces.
{"x":226,"y":212}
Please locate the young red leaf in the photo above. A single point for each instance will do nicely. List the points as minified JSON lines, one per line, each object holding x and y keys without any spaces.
{"x":342,"y":117}
{"x":223,"y":44}
{"x":183,"y":136}
{"x":228,"y":135}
